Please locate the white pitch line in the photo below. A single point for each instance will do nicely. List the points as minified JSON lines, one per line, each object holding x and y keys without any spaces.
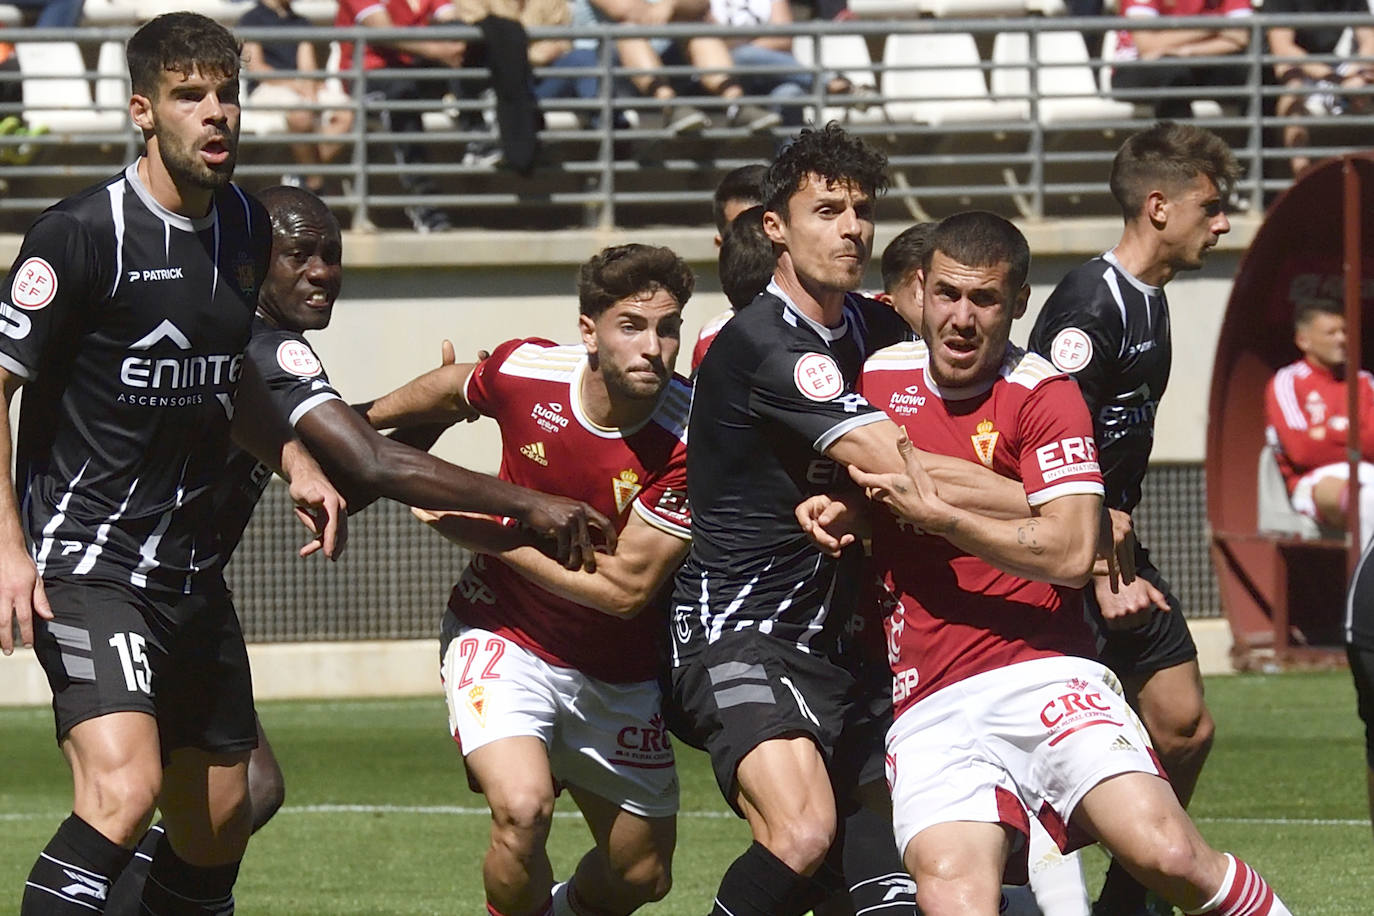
{"x":459,"y":811}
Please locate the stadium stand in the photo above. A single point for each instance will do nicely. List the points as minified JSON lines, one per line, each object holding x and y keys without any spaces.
{"x":949,"y":98}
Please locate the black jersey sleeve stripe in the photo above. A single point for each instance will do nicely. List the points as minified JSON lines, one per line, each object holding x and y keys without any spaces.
{"x":836,"y":432}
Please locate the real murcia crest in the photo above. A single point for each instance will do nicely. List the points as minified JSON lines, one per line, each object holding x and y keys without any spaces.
{"x":477,"y":702}
{"x":985,"y":442}
{"x":625,"y":487}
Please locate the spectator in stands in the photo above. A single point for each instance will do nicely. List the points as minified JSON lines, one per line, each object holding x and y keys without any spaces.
{"x":507,"y":54}
{"x":13,"y":125}
{"x":266,"y":93}
{"x":1175,"y":48}
{"x":771,"y":51}
{"x":53,"y":14}
{"x":901,"y":265}
{"x":1313,"y":86}
{"x":1308,"y":424}
{"x":707,"y":54}
{"x":415,"y":55}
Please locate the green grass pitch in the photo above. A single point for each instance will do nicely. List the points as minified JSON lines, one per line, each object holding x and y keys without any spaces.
{"x":378,"y":818}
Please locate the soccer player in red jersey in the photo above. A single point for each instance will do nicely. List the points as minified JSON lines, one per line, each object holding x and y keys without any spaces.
{"x":1307,"y":422}
{"x":1000,"y":714}
{"x":551,"y":675}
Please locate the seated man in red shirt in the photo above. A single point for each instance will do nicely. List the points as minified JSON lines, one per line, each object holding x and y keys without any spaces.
{"x":1307,"y":423}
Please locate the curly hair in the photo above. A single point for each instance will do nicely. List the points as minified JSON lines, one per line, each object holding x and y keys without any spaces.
{"x":622,"y":271}
{"x":182,"y":42}
{"x":1167,"y":157}
{"x":830,"y":154}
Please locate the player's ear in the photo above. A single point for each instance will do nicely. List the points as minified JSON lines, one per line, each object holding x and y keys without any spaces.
{"x":1022,"y":299}
{"x":1157,"y":207}
{"x":586,"y":326}
{"x":772,"y":226}
{"x":141,"y":111}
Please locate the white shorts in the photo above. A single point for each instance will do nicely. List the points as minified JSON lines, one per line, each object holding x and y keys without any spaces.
{"x":1302,"y":490}
{"x":1032,"y":737}
{"x":609,"y":739}
{"x":267,"y":105}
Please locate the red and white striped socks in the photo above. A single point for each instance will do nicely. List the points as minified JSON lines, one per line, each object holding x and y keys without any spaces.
{"x":1243,"y":893}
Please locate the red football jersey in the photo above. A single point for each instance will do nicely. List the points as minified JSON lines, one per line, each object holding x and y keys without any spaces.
{"x":952,"y":615}
{"x":708,"y":334}
{"x":1308,"y":424}
{"x":403,"y":15}
{"x":531,"y":388}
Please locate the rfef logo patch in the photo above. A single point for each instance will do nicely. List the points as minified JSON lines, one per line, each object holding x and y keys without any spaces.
{"x":34,"y":284}
{"x":298,"y":359}
{"x":1072,"y":350}
{"x":818,"y":377}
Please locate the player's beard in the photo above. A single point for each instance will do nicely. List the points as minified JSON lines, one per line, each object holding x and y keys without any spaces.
{"x":182,"y":160}
{"x":621,"y":384}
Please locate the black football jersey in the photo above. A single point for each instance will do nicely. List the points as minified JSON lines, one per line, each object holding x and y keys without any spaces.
{"x":128,"y":323}
{"x":1111,"y":332}
{"x":775,"y":390}
{"x":296,"y":380}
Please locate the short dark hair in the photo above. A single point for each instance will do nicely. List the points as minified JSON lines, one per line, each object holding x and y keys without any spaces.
{"x":283,"y":201}
{"x":747,"y":258}
{"x":744,"y":184}
{"x":622,"y":271}
{"x":977,"y":238}
{"x":905,"y":253}
{"x":829,"y":153}
{"x":1168,"y":156}
{"x":1304,"y":312}
{"x":183,"y":42}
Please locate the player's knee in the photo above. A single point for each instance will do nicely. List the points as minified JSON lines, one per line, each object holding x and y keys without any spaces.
{"x":266,"y":791}
{"x":803,"y":843}
{"x":649,"y":877}
{"x":1185,"y":730}
{"x":953,"y":895}
{"x":520,"y":819}
{"x":1171,"y":853}
{"x":121,"y":800}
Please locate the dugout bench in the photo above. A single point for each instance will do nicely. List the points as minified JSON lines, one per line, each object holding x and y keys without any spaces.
{"x":1281,"y":579}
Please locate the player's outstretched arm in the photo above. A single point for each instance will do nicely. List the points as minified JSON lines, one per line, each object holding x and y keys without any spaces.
{"x":960,"y":483}
{"x":260,"y":430}
{"x":620,"y":586}
{"x":433,"y":398}
{"x":21,"y":588}
{"x":369,"y":465}
{"x":1056,"y":545}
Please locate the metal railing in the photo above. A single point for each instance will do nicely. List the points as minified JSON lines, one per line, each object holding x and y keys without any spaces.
{"x":592,"y":172}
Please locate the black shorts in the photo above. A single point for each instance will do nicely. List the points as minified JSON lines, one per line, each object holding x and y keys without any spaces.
{"x":747,"y":688}
{"x":1362,"y":667}
{"x":180,"y":658}
{"x":1163,"y":641}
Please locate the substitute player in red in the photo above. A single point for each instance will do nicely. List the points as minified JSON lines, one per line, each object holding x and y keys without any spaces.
{"x":999,"y":711}
{"x":551,"y":675}
{"x":1308,"y":424}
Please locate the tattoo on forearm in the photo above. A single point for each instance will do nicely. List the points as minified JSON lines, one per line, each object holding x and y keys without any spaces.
{"x":1028,"y":536}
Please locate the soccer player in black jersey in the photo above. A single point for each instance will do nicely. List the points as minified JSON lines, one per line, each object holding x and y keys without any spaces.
{"x":126,"y":313}
{"x":760,"y":664}
{"x":1107,"y":323}
{"x":303,"y":281}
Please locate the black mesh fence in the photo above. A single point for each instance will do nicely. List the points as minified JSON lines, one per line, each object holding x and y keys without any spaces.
{"x":394,"y":579}
{"x":1172,"y":522}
